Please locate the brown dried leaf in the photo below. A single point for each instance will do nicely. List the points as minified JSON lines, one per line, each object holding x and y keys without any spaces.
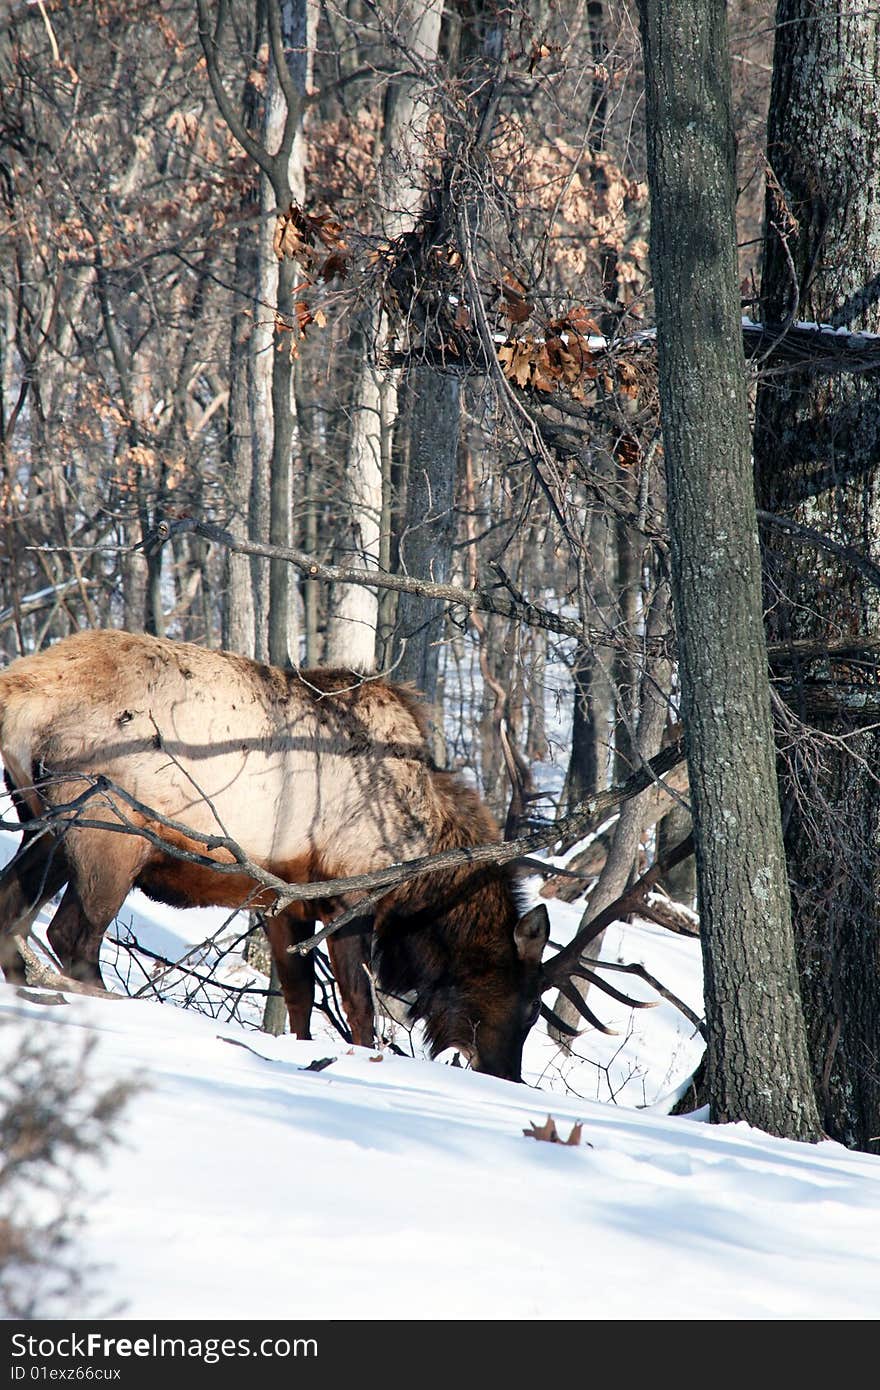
{"x":628,"y":452}
{"x":581,"y":321}
{"x":335,"y":264}
{"x":287,"y":240}
{"x":515,"y":304}
{"x":547,"y":1131}
{"x":516,"y":310}
{"x":549,"y":1134}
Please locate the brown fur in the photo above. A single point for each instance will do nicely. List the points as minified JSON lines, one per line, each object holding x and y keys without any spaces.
{"x":317,"y":775}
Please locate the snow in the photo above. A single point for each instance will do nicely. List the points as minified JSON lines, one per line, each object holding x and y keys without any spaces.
{"x":247,"y":1186}
{"x":812,"y":326}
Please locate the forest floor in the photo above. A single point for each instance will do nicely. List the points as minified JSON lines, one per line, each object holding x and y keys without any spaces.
{"x":245,"y":1184}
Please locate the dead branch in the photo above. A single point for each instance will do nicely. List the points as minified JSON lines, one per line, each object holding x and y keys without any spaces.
{"x":483,"y":600}
{"x":675,"y":917}
{"x":566,"y":962}
{"x":374,"y":884}
{"x":847,"y":553}
{"x":42,"y":976}
{"x":568,"y":884}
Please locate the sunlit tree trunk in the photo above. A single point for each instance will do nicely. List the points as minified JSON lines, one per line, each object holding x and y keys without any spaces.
{"x":274,"y":402}
{"x":351,"y":636}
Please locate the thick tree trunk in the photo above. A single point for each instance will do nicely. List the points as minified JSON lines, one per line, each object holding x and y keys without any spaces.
{"x":262,"y":342}
{"x":817,"y":453}
{"x":283,"y":619}
{"x":757,"y":1064}
{"x":351,"y":627}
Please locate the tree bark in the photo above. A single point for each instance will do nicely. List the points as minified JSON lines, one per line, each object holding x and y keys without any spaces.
{"x":817,"y":454}
{"x":239,"y":631}
{"x":426,"y":539}
{"x":352,"y":625}
{"x":757,"y":1064}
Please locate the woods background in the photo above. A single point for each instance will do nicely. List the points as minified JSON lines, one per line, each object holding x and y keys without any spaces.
{"x":370,"y":282}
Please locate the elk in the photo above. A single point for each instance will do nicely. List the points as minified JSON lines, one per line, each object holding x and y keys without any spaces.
{"x":315,"y":775}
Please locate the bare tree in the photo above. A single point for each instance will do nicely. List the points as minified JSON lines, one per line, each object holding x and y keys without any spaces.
{"x":817,"y":444}
{"x":412,"y":30}
{"x":757,"y":1065}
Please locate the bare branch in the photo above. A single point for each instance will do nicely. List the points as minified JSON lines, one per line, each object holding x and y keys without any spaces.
{"x":568,"y":959}
{"x":501,"y":604}
{"x":588,"y":814}
{"x":209,"y":41}
{"x":865,"y":566}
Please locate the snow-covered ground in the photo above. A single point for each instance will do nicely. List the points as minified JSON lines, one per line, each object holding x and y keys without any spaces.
{"x":246,"y":1185}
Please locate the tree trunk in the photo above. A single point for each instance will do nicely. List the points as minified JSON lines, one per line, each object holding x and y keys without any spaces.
{"x":817,"y":453}
{"x":680,"y":882}
{"x":593,"y":712}
{"x":261,"y":413}
{"x":273,"y":359}
{"x":351,"y":627}
{"x":239,"y":632}
{"x":351,"y":634}
{"x":757,"y":1065}
{"x":426,"y":537}
{"x":624,"y":847}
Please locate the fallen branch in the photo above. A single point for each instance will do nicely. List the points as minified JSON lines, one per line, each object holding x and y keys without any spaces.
{"x":42,"y":976}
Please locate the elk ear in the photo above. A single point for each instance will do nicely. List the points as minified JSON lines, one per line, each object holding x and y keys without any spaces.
{"x":530,"y":935}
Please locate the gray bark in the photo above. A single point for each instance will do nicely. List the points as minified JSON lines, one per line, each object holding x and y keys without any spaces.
{"x":757,"y":1064}
{"x":426,"y":538}
{"x":593,"y":706}
{"x":680,"y":882}
{"x":624,"y":847}
{"x":239,"y":632}
{"x":817,"y":452}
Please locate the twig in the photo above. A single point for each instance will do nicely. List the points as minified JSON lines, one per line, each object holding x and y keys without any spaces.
{"x":578,"y":822}
{"x":495,"y":602}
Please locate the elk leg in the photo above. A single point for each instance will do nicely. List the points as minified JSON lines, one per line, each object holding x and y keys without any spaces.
{"x":349,"y":954}
{"x":296,"y":973}
{"x":75,"y":942}
{"x":34,"y":875}
{"x":103,"y":868}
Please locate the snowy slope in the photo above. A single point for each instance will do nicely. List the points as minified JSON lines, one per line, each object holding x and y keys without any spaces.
{"x":246,"y":1186}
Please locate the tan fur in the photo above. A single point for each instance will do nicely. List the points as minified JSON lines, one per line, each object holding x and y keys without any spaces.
{"x":315,"y":775}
